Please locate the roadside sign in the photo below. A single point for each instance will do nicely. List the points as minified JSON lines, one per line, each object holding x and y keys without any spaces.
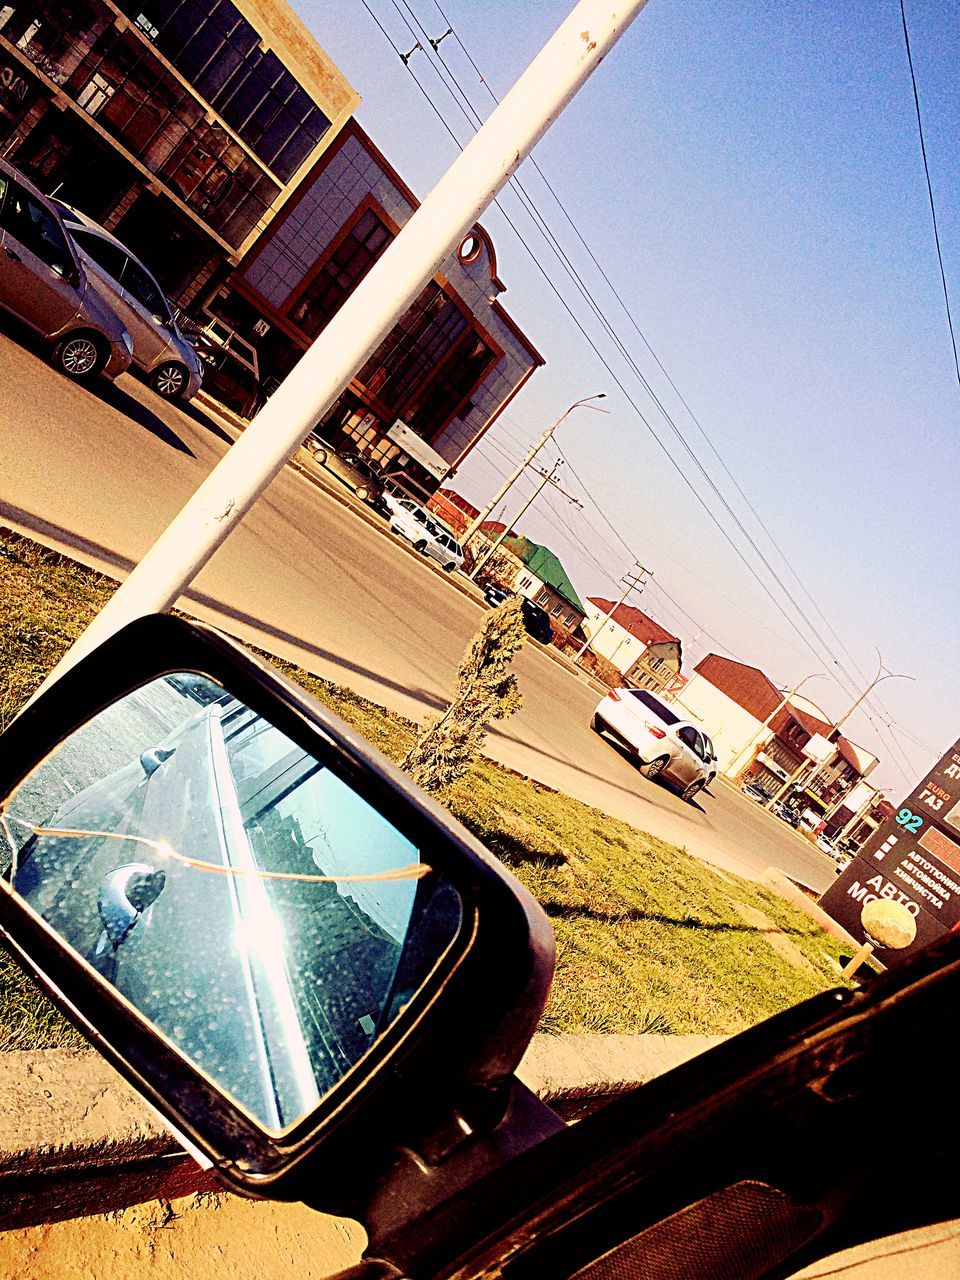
{"x":913,"y":858}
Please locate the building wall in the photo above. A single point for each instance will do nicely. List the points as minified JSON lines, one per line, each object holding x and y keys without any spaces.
{"x":727,"y":723}
{"x":292,"y":263}
{"x":656,"y":666}
{"x":610,"y":640}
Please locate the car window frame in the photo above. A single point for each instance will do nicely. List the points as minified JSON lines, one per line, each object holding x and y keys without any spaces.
{"x":37,"y":241}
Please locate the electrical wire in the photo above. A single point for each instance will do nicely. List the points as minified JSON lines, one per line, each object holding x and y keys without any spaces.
{"x":926,"y":171}
{"x":458,"y":94}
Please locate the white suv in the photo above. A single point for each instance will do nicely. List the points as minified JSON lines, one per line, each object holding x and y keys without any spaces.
{"x":427,"y":534}
{"x":664,"y":744}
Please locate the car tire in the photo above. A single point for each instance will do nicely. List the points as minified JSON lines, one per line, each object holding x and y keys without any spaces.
{"x":362,"y":493}
{"x":654,"y":768}
{"x":449,"y":568}
{"x":318,"y":455}
{"x":420,"y":546}
{"x":693,"y":789}
{"x":170,"y":379}
{"x":80,"y":356}
{"x":596,"y":724}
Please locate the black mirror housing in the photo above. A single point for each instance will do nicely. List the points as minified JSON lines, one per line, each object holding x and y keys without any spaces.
{"x":450,"y":1051}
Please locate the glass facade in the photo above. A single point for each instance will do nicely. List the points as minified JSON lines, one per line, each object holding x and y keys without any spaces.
{"x":340,"y":273}
{"x":214,"y":47}
{"x":112,"y":74}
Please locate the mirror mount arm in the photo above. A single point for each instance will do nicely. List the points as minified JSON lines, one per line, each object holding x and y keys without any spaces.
{"x":446,"y":1160}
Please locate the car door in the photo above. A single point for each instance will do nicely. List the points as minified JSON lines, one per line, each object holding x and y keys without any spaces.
{"x":40,"y":279}
{"x":150,"y":314}
{"x":687,"y":765}
{"x":106,"y":265}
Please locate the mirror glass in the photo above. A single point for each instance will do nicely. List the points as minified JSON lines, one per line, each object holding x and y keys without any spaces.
{"x":234,"y":888}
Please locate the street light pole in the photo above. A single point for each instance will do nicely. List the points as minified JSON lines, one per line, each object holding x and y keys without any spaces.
{"x":630,"y":580}
{"x":512,"y":479}
{"x":882,"y":674}
{"x":547,"y":477}
{"x":731,"y":768}
{"x":450,"y":210}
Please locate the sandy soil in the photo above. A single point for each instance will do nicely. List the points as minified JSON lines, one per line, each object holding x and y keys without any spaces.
{"x":213,"y":1237}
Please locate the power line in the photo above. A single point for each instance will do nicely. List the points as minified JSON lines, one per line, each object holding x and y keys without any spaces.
{"x":926,"y":171}
{"x":457,"y":93}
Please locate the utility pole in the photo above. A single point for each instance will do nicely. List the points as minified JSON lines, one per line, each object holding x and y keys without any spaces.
{"x":629,"y":580}
{"x":475,"y":177}
{"x":515,"y":476}
{"x":547,"y":478}
{"x":731,"y":768}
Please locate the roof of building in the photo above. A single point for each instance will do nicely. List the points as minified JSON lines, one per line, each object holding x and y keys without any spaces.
{"x":861,"y":759}
{"x":459,"y":501}
{"x":636,"y":622}
{"x":541,"y":561}
{"x":749,"y":688}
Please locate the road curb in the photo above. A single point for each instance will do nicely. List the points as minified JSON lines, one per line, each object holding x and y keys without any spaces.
{"x":76,"y":1140}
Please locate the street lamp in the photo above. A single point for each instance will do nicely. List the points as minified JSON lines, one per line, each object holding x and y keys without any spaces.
{"x":731,"y":768}
{"x":471,"y":529}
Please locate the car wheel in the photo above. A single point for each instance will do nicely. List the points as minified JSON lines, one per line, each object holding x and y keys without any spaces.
{"x":693,"y":789}
{"x":596,"y":724}
{"x":169,"y":380}
{"x":363,"y":494}
{"x":320,"y":455}
{"x":80,"y":356}
{"x":654,"y":768}
{"x":449,"y":568}
{"x":420,"y":546}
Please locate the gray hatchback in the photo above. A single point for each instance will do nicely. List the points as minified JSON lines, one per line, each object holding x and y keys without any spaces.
{"x":160,"y":351}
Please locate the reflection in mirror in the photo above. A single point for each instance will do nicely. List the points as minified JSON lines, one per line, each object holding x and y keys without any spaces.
{"x":237,"y":891}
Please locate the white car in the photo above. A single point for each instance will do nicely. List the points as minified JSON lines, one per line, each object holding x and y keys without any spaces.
{"x":666,"y":746}
{"x":428,"y":535}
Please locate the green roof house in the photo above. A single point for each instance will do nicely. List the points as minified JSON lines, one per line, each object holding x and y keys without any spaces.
{"x":541,"y":577}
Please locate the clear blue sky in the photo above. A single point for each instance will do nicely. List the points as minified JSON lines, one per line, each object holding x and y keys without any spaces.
{"x":750,"y":177}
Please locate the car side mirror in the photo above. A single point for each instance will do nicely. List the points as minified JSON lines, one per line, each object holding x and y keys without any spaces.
{"x":288,"y":949}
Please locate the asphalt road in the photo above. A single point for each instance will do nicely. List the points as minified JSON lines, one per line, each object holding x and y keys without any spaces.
{"x":99,"y":473}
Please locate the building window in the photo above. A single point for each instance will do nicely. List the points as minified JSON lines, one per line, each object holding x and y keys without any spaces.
{"x":449,"y":387}
{"x":655,"y":664}
{"x":341,"y":273}
{"x":94,"y":94}
{"x":569,"y":619}
{"x":417,"y":343}
{"x":219,"y":53}
{"x":557,"y":610}
{"x":543,"y":597}
{"x":525,"y":581}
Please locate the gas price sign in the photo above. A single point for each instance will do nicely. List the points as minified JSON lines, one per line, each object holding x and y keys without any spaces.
{"x":913,"y":859}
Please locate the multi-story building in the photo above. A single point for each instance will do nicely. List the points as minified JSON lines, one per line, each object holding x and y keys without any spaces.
{"x":446,"y":371}
{"x":182,"y":125}
{"x":735,"y":701}
{"x":643,"y":651}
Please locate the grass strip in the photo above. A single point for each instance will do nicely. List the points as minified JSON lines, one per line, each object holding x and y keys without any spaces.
{"x":648,"y":937}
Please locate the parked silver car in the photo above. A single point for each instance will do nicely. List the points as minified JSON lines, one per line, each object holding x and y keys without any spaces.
{"x":43,"y":283}
{"x":160,"y":350}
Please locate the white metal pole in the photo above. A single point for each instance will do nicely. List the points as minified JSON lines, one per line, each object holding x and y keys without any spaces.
{"x":567,"y":60}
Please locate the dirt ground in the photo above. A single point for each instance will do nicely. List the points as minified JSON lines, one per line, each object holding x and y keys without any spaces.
{"x":216,"y":1237}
